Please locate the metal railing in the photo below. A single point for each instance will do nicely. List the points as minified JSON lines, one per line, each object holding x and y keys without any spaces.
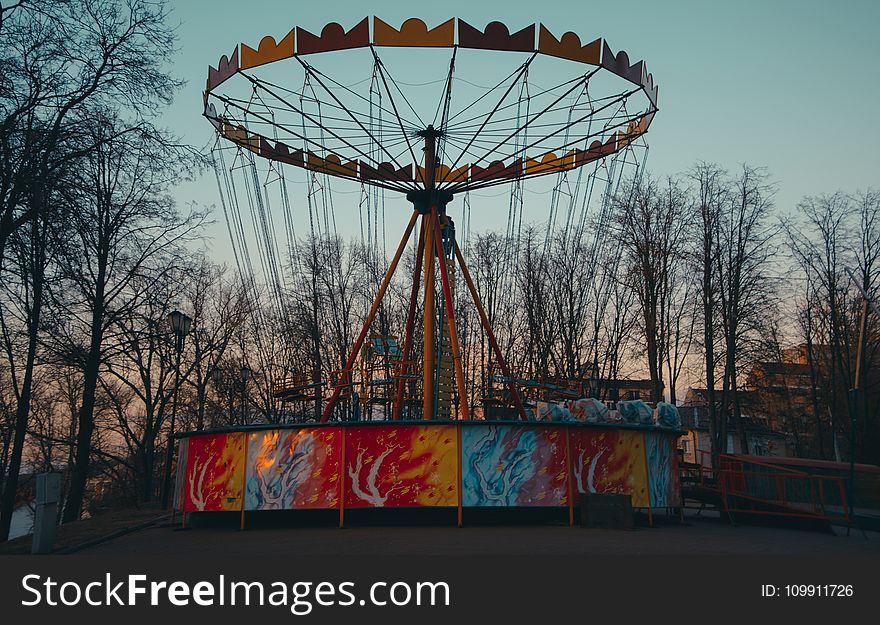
{"x":748,"y":486}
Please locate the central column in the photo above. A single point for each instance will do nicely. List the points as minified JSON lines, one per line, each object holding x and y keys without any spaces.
{"x":430,"y":351}
{"x":430,"y":135}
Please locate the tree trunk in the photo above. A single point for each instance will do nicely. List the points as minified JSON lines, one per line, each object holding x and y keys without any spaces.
{"x":21,"y":422}
{"x":202,"y":399}
{"x":737,"y":415}
{"x":653,"y":357}
{"x":148,"y":466}
{"x":814,"y":383}
{"x":80,"y":474}
{"x":22,"y":412}
{"x":716,"y":429}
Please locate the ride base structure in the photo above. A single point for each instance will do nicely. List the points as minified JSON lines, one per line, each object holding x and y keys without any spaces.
{"x":459,"y":465}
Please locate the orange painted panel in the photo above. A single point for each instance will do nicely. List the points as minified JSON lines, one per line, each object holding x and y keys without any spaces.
{"x":610,"y":461}
{"x":267,"y":51}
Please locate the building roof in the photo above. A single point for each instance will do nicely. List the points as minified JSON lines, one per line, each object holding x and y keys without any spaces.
{"x":784,"y":368}
{"x":697,"y":397}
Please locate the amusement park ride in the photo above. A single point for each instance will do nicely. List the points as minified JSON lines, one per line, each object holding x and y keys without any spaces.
{"x":584,"y":115}
{"x":473,"y":142}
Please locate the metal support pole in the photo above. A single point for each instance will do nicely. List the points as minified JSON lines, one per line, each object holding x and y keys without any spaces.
{"x":342,"y":480}
{"x":247,"y":441}
{"x":410,"y":321}
{"x":450,"y":317}
{"x":490,"y":335}
{"x":458,"y":472}
{"x":328,"y":409}
{"x":570,"y":468}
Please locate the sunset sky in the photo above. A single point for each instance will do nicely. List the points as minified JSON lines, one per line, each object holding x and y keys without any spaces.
{"x":786,"y":85}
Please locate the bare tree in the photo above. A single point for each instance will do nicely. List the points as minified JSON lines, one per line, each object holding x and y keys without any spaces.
{"x":27,"y":279}
{"x":125,"y":220}
{"x":616,"y":319}
{"x":745,"y":298}
{"x":61,"y":60}
{"x":712,"y":196}
{"x":535,"y":295}
{"x":137,"y":372}
{"x":218,"y":306}
{"x":833,"y":233}
{"x":818,"y":245}
{"x":807,"y":321}
{"x":680,"y":319}
{"x":569,"y":296}
{"x":866,"y":250}
{"x":649,"y":227}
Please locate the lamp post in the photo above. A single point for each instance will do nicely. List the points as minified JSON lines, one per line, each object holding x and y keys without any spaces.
{"x":180,"y":325}
{"x":217,"y":376}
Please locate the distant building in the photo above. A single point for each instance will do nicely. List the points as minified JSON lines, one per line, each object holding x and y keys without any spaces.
{"x":762,"y":437}
{"x":609,"y":389}
{"x":783,"y":398}
{"x":620,"y":390}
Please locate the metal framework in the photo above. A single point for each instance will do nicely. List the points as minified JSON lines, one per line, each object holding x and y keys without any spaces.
{"x":518,"y":129}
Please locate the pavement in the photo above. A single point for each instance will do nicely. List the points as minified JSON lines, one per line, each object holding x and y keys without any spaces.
{"x":695,"y":536}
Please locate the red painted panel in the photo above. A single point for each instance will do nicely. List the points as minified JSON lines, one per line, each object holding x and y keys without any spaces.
{"x":214,"y":473}
{"x":410,"y":465}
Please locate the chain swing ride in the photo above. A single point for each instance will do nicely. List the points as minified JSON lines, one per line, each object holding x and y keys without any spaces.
{"x":329,"y":104}
{"x":492,"y":108}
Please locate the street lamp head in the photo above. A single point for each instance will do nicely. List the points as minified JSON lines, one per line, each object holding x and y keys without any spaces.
{"x":217,"y":376}
{"x":245,"y":373}
{"x":180,"y":322}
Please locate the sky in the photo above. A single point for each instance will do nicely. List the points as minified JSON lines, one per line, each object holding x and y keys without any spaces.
{"x":788,"y":85}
